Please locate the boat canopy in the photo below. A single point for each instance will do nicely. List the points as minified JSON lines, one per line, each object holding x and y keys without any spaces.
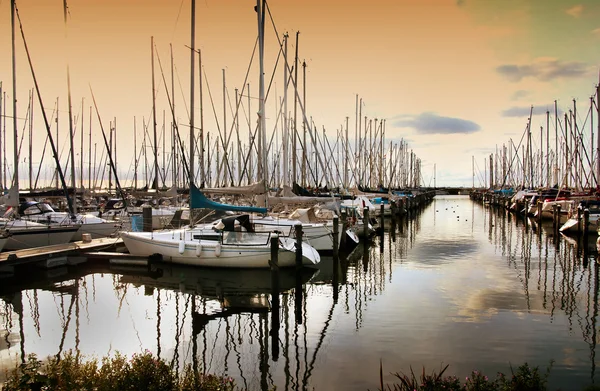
{"x":198,"y":200}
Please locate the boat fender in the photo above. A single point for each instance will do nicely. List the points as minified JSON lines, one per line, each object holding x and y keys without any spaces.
{"x":181,"y":246}
{"x":218,"y":250}
{"x":198,"y":249}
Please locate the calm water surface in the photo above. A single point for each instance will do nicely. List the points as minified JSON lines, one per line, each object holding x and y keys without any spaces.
{"x":457,"y":284}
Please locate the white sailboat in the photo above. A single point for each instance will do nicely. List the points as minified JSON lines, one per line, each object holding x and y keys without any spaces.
{"x":23,"y":234}
{"x":41,"y":212}
{"x":236,"y":247}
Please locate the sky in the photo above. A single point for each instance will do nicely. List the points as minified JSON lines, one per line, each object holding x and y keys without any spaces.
{"x":454,"y":78}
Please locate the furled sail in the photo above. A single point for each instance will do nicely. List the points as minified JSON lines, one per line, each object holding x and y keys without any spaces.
{"x":199,"y":200}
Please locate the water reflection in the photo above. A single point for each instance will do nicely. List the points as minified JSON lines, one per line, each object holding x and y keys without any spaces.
{"x":457,"y":283}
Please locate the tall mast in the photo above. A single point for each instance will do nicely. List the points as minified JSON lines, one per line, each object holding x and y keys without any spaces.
{"x":90,"y":153}
{"x":598,"y":141}
{"x":173,"y":125}
{"x":261,"y":88}
{"x":295,"y":131}
{"x":192,"y":68}
{"x":304,"y":147}
{"x":81,"y":148}
{"x":135,"y":159}
{"x":201,"y":103}
{"x":71,"y":130}
{"x":155,"y":183}
{"x":31,"y":141}
{"x":285,"y":138}
{"x":14,"y":97}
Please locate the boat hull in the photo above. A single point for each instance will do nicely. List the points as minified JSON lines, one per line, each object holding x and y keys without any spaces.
{"x":179,"y":247}
{"x":29,"y":237}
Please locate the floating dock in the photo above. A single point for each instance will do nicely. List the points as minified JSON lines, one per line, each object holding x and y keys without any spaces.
{"x":56,"y":255}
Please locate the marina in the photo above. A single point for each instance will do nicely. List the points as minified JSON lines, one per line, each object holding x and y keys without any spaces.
{"x":464,"y":275}
{"x":200,"y":186}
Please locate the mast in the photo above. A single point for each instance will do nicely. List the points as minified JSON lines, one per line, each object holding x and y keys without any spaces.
{"x":598,"y":141}
{"x":135,"y":160}
{"x":346,"y":156}
{"x":192,"y":67}
{"x":14,"y":97}
{"x":81,"y":148}
{"x":261,"y":89}
{"x":71,"y":130}
{"x":225,"y":153}
{"x":173,"y":125}
{"x":295,"y":135}
{"x":31,"y":141}
{"x":202,"y":170}
{"x":155,"y":180}
{"x":285,"y":108}
{"x":304,"y":124}
{"x":90,"y":153}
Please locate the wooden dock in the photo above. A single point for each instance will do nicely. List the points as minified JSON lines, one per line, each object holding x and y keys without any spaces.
{"x":56,"y":255}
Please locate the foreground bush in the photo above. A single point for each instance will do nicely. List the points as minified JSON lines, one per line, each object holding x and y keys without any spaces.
{"x":525,"y":378}
{"x":142,"y":372}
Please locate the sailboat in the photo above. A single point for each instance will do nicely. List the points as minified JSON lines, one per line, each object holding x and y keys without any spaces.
{"x":26,"y":234}
{"x":42,"y":212}
{"x":234,"y":246}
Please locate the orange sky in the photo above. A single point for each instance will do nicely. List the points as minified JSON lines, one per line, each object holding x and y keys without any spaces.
{"x":404,"y":58}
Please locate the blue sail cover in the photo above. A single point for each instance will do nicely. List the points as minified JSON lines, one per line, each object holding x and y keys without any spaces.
{"x":199,"y":200}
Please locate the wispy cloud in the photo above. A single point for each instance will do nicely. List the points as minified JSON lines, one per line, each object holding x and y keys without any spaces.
{"x":460,"y":3}
{"x":543,"y":70}
{"x":523,"y":111}
{"x":519,"y":94}
{"x":596,"y":32}
{"x":431,"y":123}
{"x":575,"y":11}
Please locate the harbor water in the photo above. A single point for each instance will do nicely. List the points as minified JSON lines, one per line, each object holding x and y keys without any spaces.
{"x":456,"y":283}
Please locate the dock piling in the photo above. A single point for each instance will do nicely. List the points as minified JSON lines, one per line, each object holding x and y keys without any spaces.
{"x":147,"y":218}
{"x":274,"y":264}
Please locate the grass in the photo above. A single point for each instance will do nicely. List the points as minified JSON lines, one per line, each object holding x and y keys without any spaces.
{"x":524,"y":378}
{"x":141,"y":372}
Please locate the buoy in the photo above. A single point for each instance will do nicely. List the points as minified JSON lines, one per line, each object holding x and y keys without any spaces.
{"x":218,"y":250}
{"x":198,"y":249}
{"x":181,"y":246}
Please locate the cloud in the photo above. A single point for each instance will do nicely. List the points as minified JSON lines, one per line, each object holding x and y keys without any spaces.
{"x":543,"y":70}
{"x":523,"y":111}
{"x":575,"y":11}
{"x":519,"y":94}
{"x":460,"y":3}
{"x":431,"y":123}
{"x":596,"y":31}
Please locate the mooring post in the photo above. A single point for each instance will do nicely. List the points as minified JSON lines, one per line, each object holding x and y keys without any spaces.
{"x":336,"y":256}
{"x":539,"y":211}
{"x":147,"y":218}
{"x":344,"y":228}
{"x":298,"y":228}
{"x":381,"y":217}
{"x":274,"y":264}
{"x":366,"y":222}
{"x":298,"y":290}
{"x":336,"y":233}
{"x":558,"y":208}
{"x":578,"y":220}
{"x":586,"y":222}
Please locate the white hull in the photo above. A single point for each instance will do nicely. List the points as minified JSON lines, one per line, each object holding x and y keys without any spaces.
{"x":97,"y":230}
{"x":31,"y":237}
{"x":178,"y":246}
{"x":571,"y":225}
